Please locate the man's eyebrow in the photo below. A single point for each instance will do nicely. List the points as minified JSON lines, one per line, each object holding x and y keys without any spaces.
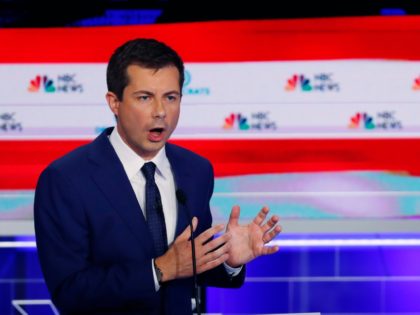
{"x":172,"y":92}
{"x":143,"y":92}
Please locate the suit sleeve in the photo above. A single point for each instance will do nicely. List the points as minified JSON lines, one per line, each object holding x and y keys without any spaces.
{"x":218,"y":277}
{"x":78,"y":284}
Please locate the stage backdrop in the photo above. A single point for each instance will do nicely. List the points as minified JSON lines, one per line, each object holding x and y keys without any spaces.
{"x":317,"y":118}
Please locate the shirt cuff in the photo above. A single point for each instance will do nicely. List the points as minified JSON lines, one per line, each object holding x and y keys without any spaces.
{"x":233,"y":272}
{"x":157,"y":285}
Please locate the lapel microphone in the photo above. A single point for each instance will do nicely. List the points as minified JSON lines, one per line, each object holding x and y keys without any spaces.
{"x":182,"y":199}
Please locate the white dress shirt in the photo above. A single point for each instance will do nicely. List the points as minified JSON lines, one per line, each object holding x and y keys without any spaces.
{"x":164,"y":178}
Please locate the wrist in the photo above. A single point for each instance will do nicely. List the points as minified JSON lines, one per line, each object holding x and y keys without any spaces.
{"x":231,"y":265}
{"x":161,"y":267}
{"x":233,"y":271}
{"x":158,"y":272}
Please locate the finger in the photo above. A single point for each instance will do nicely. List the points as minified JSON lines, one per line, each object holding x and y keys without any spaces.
{"x":213,"y":264}
{"x":259,"y":219}
{"x":268,"y":250}
{"x":209,"y":233}
{"x":194,"y":223}
{"x":270,"y":223}
{"x":234,"y":216}
{"x":214,"y":254}
{"x":269,"y":236}
{"x":215,"y":243}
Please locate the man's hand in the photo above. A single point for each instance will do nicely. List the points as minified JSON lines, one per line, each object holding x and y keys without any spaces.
{"x":177,"y":261}
{"x":247,"y":241}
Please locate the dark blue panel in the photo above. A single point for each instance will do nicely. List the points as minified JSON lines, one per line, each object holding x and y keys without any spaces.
{"x":19,"y":263}
{"x":31,"y":291}
{"x":305,"y":282}
{"x":402,"y":261}
{"x":319,"y":262}
{"x":21,"y":279}
{"x":32,"y":266}
{"x":379,"y":261}
{"x":8,"y":264}
{"x":38,"y":309}
{"x":253,"y":297}
{"x":289,"y":262}
{"x":362,"y":261}
{"x":122,"y":17}
{"x":5,"y":298}
{"x":337,"y":297}
{"x":285,"y":263}
{"x":402,"y":296}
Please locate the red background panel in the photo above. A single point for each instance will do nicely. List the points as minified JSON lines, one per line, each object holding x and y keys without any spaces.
{"x":21,"y":162}
{"x":391,"y":37}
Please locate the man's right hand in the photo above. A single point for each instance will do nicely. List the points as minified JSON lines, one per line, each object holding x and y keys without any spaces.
{"x":177,"y":261}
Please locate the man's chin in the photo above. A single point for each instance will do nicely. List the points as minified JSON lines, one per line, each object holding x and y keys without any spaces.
{"x":153,"y":148}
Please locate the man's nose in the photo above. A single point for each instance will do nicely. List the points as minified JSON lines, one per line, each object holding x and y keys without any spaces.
{"x":159,"y":110}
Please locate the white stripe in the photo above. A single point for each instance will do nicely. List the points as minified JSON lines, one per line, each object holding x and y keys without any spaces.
{"x":18,"y":305}
{"x":335,"y":279}
{"x":345,"y":242}
{"x":316,"y":193}
{"x":17,"y":244}
{"x":290,"y":243}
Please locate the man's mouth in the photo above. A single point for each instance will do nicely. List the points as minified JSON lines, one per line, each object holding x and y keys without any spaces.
{"x":156,"y":134}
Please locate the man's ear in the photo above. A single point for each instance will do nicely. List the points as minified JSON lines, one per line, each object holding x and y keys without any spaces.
{"x":113,"y":102}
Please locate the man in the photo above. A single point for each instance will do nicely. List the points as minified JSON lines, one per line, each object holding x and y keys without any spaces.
{"x":112,"y":231}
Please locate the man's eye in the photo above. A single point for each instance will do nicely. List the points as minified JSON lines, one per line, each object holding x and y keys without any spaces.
{"x":143,"y":97}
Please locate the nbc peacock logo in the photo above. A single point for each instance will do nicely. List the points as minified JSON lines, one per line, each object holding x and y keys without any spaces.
{"x":298,"y":81}
{"x":241,"y":122}
{"x":41,"y":83}
{"x":361,"y":120}
{"x":416,"y":84}
{"x":320,"y":82}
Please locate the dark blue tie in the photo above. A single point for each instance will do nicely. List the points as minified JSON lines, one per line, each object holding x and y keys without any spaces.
{"x":154,"y":210}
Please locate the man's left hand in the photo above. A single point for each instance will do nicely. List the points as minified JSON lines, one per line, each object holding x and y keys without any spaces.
{"x":248,"y":241}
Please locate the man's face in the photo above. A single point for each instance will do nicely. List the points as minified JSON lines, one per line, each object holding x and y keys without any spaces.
{"x":149,"y":110}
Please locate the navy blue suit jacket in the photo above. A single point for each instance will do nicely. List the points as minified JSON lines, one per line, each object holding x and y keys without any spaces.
{"x":93,"y":241}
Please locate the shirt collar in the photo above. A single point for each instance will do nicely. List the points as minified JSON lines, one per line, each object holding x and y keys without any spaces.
{"x":132,"y":162}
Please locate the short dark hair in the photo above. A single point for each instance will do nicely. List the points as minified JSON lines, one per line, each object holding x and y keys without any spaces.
{"x":145,"y":52}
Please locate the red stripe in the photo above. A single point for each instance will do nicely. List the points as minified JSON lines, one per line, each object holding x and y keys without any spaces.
{"x":295,"y":39}
{"x":21,"y":162}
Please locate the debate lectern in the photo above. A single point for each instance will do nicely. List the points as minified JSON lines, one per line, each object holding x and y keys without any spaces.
{"x":20,"y":305}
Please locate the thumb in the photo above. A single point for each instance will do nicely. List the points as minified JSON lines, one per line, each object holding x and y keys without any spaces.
{"x":234,"y":216}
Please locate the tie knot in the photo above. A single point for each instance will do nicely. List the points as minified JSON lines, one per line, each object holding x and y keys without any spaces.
{"x":148,"y":171}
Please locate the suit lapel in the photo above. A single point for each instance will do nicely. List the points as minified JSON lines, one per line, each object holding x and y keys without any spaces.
{"x":109,"y":175}
{"x":182,"y":179}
